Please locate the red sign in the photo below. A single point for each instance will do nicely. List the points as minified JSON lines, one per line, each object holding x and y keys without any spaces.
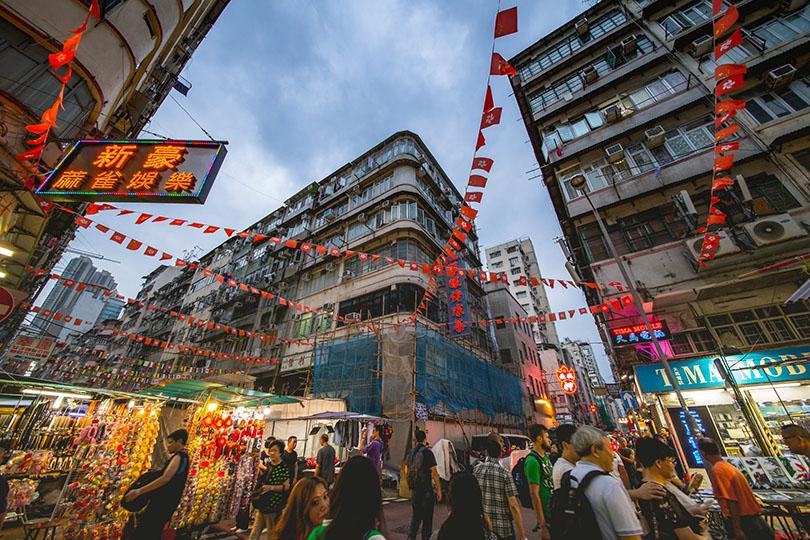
{"x":31,"y":348}
{"x":639,"y":333}
{"x":622,"y":330}
{"x":568,"y":379}
{"x":6,"y":304}
{"x":135,"y":170}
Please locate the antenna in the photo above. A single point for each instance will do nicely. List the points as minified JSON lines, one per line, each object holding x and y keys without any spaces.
{"x":191,"y":254}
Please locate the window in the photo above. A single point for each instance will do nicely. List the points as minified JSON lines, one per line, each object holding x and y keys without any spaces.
{"x":802,"y":324}
{"x":515,"y":271}
{"x":513,"y":261}
{"x":495,"y":254}
{"x":803,"y":158}
{"x":386,"y":301}
{"x":782,"y":28}
{"x":694,"y":14}
{"x":511,"y":250}
{"x":506,"y":356}
{"x":769,"y":195}
{"x":516,"y":283}
{"x":498,"y":264}
{"x":520,"y":294}
{"x":772,"y":105}
{"x":570,"y":44}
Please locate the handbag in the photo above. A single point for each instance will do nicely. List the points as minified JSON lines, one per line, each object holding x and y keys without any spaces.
{"x":139,"y":503}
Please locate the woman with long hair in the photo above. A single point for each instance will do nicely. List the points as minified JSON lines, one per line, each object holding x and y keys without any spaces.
{"x":356,"y":504}
{"x":306,"y":508}
{"x":467,"y":519}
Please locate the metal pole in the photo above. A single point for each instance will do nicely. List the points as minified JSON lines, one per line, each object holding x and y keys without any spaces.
{"x":639,"y":304}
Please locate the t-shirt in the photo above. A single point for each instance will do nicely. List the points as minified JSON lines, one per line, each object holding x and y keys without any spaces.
{"x":561,"y":466}
{"x":424,"y":483}
{"x":326,"y":463}
{"x":729,"y":484}
{"x":290,"y":459}
{"x":538,"y":471}
{"x":664,"y":517}
{"x":275,"y":475}
{"x":373,"y":452}
{"x":614,"y":511}
{"x":319,"y":533}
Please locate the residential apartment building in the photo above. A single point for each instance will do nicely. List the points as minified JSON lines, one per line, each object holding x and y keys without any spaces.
{"x":517,"y":258}
{"x":623,"y":95}
{"x":518,"y":353}
{"x":126,"y":65}
{"x":582,"y":354}
{"x":388,"y":211}
{"x":74,"y":304}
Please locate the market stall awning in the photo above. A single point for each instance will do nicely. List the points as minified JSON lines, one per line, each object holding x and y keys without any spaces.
{"x":41,"y":385}
{"x":196,"y":390}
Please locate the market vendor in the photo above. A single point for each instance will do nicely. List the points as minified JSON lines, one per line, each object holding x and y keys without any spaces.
{"x":797,"y":439}
{"x":166,"y":490}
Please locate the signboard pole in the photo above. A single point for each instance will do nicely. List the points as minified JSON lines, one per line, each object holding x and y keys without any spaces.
{"x":640,"y":307}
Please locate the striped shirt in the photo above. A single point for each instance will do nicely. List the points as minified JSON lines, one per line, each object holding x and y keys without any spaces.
{"x":496,"y":488}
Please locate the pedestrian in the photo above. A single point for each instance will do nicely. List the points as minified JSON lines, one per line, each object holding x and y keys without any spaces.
{"x":356,"y":504}
{"x":306,"y":508}
{"x":568,"y":457}
{"x":467,"y":519}
{"x":499,"y":492}
{"x":666,"y":518}
{"x":374,"y":449}
{"x":325,"y":461}
{"x":614,"y":511}
{"x":5,"y":452}
{"x":166,"y":490}
{"x":290,"y":458}
{"x":425,"y":486}
{"x":538,"y":470}
{"x":270,"y":492}
{"x":264,"y":458}
{"x":797,"y":439}
{"x":740,"y":509}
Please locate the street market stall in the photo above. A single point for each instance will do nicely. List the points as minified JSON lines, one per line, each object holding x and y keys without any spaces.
{"x":225,"y":426}
{"x":76,"y":451}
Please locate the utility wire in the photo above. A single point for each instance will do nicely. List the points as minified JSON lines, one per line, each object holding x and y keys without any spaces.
{"x":191,"y":117}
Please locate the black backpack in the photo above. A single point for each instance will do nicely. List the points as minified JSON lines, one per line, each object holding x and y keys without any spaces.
{"x":571,"y":513}
{"x":522,"y":483}
{"x":415,"y":461}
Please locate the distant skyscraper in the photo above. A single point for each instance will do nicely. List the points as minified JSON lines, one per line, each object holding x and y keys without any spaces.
{"x":85,"y":305}
{"x":111,"y":310}
{"x":516,"y":258}
{"x":582,"y":355}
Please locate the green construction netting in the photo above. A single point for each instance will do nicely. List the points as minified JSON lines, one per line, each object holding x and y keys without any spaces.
{"x":227,"y":395}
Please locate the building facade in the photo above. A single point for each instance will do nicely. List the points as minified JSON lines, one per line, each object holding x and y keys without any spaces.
{"x":623,"y":96}
{"x":123,"y":70}
{"x":582,"y":354}
{"x":518,"y":353}
{"x":517,"y":258}
{"x":85,"y":305}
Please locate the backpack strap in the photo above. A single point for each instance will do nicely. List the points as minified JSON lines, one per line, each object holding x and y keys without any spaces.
{"x":588,"y":477}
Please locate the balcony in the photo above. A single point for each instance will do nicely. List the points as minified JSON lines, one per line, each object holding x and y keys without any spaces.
{"x":694,"y":165}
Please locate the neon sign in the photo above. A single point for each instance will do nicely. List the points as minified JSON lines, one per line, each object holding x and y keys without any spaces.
{"x":639,"y":333}
{"x":568,"y":379}
{"x":136,"y":170}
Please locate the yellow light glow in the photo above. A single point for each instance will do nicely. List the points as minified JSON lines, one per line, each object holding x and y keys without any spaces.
{"x":2,"y":275}
{"x":213,"y":406}
{"x":6,"y":252}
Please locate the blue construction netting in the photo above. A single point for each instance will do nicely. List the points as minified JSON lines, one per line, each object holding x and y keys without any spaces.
{"x":347,"y":369}
{"x":454,"y":378}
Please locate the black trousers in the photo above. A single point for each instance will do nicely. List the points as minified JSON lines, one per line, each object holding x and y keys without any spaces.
{"x":422,"y":504}
{"x":754,"y":527}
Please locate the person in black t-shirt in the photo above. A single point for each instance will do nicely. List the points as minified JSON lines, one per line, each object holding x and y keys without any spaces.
{"x":290,"y":459}
{"x":426,"y":488}
{"x":166,"y":490}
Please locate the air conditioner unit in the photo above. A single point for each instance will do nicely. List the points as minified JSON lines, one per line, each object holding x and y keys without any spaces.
{"x":789,"y":6}
{"x":360,"y":217}
{"x":306,"y":276}
{"x":615,"y":153}
{"x":330,"y":267}
{"x":774,"y":229}
{"x":781,"y":76}
{"x":701,"y":46}
{"x":726,"y":245}
{"x":612,"y":114}
{"x":629,"y":45}
{"x":582,"y":26}
{"x":385,"y":204}
{"x":348,"y":274}
{"x":654,"y":136}
{"x":589,"y":74}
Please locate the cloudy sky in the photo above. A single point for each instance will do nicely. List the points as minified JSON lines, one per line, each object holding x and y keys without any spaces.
{"x":301,"y":88}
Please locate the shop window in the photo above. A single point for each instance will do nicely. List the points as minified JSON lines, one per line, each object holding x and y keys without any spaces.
{"x":779,"y":330}
{"x":753,"y":333}
{"x":802,"y":324}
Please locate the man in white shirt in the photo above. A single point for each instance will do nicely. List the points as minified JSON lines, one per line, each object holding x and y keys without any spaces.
{"x":569,"y":456}
{"x":614,"y":511}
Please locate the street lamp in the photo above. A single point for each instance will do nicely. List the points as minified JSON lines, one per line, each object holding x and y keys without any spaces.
{"x":579,"y":182}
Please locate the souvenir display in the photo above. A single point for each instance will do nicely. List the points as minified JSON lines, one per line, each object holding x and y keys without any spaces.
{"x":21,"y":492}
{"x":222,"y":447}
{"x":29,"y":463}
{"x":115,"y":448}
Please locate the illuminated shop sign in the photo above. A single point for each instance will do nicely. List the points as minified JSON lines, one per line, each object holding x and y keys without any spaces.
{"x":639,"y":333}
{"x":136,"y":171}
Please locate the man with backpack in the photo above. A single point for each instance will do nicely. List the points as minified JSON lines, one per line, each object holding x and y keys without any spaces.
{"x":498,"y":493}
{"x":590,"y":502}
{"x":537,"y":469}
{"x":426,"y":489}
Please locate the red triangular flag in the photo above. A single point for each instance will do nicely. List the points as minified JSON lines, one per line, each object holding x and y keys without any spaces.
{"x":488,"y":101}
{"x":143,"y":217}
{"x":481,"y":141}
{"x":491,"y":118}
{"x":482,"y":163}
{"x":134,"y":244}
{"x":165,"y":256}
{"x":506,"y":22}
{"x":94,"y":10}
{"x":499,"y":66}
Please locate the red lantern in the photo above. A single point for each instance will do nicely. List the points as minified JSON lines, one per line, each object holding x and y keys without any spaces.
{"x":593,"y":408}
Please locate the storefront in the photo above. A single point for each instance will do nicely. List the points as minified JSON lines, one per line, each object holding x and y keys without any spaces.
{"x":774,"y":387}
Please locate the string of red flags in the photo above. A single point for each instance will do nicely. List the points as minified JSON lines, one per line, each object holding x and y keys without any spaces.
{"x":317,"y":249}
{"x":58,"y":60}
{"x":182,"y":348}
{"x":506,"y":23}
{"x":728,"y":78}
{"x":145,"y":304}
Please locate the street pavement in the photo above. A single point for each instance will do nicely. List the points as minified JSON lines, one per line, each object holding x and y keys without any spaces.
{"x":398,"y":519}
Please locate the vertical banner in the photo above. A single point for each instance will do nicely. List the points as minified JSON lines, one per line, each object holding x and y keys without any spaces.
{"x":457,"y":305}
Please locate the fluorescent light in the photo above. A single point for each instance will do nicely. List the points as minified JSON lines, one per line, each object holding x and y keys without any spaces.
{"x":55,"y":394}
{"x":2,"y":274}
{"x":6,"y":252}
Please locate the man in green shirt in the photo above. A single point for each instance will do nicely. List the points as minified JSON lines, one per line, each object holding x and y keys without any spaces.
{"x":537,"y":468}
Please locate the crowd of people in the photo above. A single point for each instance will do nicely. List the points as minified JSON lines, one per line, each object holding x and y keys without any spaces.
{"x":579,"y":482}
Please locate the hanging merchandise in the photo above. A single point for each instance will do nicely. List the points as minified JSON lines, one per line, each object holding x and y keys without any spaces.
{"x":115,"y":451}
{"x":223,"y":449}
